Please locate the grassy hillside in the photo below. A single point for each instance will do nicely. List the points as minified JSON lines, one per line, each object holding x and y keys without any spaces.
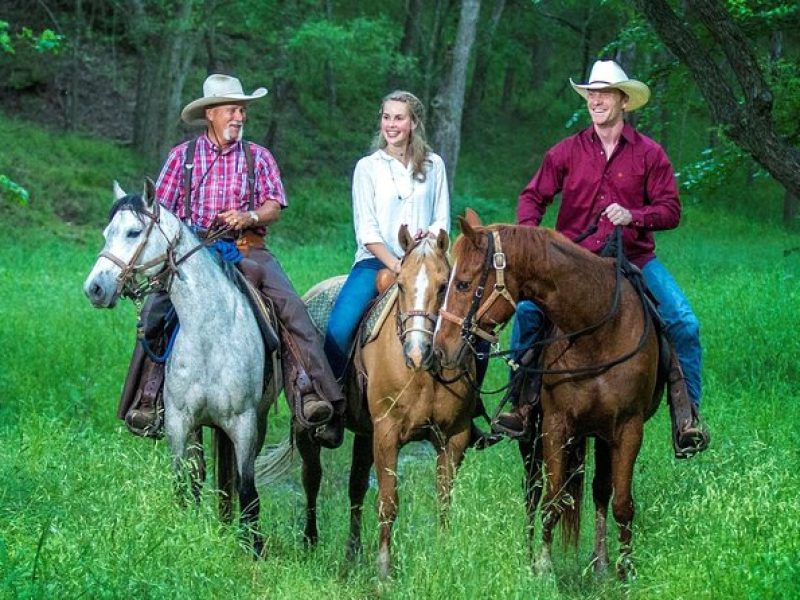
{"x":87,"y":509}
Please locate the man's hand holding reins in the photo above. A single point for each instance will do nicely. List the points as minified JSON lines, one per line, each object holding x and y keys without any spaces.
{"x":618,"y":215}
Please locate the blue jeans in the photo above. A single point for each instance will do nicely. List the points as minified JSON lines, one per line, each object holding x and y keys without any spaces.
{"x":682,"y":326}
{"x":358,"y":291}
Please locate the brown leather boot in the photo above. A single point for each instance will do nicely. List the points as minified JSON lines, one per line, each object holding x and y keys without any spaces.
{"x":689,"y":435}
{"x":316,"y":410}
{"x":145,"y":417}
{"x":513,"y":423}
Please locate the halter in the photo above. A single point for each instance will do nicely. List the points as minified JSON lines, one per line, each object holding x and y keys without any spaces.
{"x":495,"y":259}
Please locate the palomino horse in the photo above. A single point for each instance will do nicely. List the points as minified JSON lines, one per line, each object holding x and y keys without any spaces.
{"x":215,"y":373}
{"x":407,"y":399}
{"x":600,"y":382}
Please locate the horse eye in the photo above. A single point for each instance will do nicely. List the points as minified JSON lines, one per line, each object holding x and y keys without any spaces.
{"x":462,"y":286}
{"x":442,"y":289}
{"x":134,"y":233}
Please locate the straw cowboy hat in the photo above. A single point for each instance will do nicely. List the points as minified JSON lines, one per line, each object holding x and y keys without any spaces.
{"x":217,"y":89}
{"x":608,"y":74}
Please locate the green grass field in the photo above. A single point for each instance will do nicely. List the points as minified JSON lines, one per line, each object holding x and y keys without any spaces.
{"x":87,"y":510}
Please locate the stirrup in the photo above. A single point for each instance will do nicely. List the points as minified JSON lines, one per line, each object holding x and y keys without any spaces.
{"x":481,"y":440}
{"x":690,"y":440}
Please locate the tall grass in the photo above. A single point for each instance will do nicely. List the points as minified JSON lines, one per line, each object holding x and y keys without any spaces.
{"x":87,"y":510}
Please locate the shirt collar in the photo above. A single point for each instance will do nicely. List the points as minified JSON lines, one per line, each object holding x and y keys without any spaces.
{"x":628,"y":133}
{"x":214,"y":148}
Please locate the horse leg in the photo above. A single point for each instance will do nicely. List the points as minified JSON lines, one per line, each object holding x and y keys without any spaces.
{"x":312,"y":477}
{"x":448,"y":460}
{"x":385,"y":445}
{"x":554,"y":446}
{"x":623,"y":456}
{"x":359,"y":483}
{"x":225,"y":463}
{"x":531,"y":451}
{"x":177,"y":431}
{"x":197,"y":463}
{"x":245,"y":437}
{"x":601,"y":493}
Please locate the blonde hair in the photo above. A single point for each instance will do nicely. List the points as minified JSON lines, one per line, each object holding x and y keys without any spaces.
{"x":417,"y":144}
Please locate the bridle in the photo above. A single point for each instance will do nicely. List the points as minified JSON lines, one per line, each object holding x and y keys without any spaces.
{"x":131,"y":281}
{"x":495,"y":260}
{"x":402,"y":318}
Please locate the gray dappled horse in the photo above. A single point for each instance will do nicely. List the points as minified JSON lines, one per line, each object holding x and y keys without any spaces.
{"x":215,"y":372}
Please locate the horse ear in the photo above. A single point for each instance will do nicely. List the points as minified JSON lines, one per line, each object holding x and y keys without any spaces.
{"x":472,"y":217}
{"x":468,"y":230}
{"x":443,"y":240}
{"x":149,"y":192}
{"x":405,"y":238}
{"x":119,"y":193}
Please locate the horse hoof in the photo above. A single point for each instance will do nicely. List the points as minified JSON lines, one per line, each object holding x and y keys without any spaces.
{"x":626,"y":570}
{"x":384,"y":566}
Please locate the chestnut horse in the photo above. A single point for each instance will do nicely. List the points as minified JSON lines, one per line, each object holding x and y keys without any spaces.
{"x":406,"y":398}
{"x":601,"y":382}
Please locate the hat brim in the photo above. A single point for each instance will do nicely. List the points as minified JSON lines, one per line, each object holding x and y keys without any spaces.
{"x":638,"y":93}
{"x":194,"y":113}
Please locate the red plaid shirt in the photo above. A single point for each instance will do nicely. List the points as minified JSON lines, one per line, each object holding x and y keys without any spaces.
{"x":639,"y":177}
{"x":219,"y":181}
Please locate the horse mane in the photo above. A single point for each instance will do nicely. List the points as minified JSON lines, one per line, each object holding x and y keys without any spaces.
{"x":132,"y":202}
{"x":521,"y":240}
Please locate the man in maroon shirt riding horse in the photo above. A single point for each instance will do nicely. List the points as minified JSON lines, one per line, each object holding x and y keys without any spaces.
{"x":612,"y":172}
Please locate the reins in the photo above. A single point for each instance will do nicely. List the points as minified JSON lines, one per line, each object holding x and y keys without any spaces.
{"x":470,"y":328}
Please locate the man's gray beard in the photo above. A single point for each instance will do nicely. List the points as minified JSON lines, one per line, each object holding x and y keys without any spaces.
{"x":226,"y":133}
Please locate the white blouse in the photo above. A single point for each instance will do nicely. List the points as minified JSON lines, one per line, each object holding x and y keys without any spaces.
{"x":386,"y":195}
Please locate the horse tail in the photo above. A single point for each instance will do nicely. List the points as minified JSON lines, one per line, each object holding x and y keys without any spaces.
{"x":225,"y":465}
{"x":573,"y":493}
{"x":275,"y":463}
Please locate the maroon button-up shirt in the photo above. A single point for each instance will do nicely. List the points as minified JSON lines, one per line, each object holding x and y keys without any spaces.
{"x":638,"y":176}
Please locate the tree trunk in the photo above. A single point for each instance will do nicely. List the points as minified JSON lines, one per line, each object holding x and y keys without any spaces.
{"x":166,"y":53}
{"x":431,"y":70}
{"x":448,"y":104}
{"x":748,"y":123}
{"x":790,"y":208}
{"x":482,"y":57}
{"x":409,"y":44}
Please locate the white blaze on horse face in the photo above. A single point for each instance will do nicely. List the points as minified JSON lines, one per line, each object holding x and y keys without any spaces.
{"x":419,"y":324}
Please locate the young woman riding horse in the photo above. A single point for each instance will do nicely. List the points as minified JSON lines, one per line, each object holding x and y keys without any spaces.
{"x":601,"y":384}
{"x":215,"y":372}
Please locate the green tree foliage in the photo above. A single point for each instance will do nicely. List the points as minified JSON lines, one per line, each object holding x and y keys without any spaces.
{"x":45,"y":42}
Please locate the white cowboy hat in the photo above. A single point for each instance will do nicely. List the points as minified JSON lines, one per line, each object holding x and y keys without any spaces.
{"x":608,"y":74}
{"x":217,"y":89}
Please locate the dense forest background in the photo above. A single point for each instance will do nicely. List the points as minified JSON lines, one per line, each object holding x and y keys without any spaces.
{"x":725,"y":78}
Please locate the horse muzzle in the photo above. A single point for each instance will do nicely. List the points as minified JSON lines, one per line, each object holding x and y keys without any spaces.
{"x":101,"y":289}
{"x":419,"y":356}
